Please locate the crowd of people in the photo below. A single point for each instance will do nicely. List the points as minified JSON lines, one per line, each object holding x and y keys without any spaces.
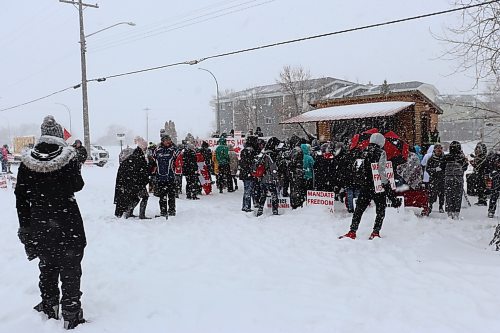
{"x":51,"y":226}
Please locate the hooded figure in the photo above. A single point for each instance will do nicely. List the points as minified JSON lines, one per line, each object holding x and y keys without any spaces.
{"x":246,"y":164}
{"x":81,"y":152}
{"x":268,"y":180}
{"x":373,"y":154}
{"x":50,"y":223}
{"x":222,"y":157}
{"x":454,"y":165}
{"x":307,"y":164}
{"x":479,"y":164}
{"x":131,"y":181}
{"x":436,"y":179}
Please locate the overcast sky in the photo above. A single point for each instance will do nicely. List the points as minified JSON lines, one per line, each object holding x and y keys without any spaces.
{"x":40,"y":54}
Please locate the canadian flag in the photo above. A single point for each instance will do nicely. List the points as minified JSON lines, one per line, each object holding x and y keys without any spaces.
{"x":67,"y":135}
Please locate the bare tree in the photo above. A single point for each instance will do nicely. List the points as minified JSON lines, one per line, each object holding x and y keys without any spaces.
{"x":294,"y":83}
{"x":475,"y":42}
{"x":170,"y":130}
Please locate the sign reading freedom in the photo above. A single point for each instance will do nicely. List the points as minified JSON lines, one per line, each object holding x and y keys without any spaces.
{"x":320,"y":198}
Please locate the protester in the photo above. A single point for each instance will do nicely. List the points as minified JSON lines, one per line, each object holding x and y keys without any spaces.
{"x":233,"y":165}
{"x":131,"y":181}
{"x":165,"y":187}
{"x":480,"y":153}
{"x":5,"y":158}
{"x":436,"y":178}
{"x":50,"y":223}
{"x":190,"y":171}
{"x":269,"y":178}
{"x":454,"y":165}
{"x":373,"y":154}
{"x":81,"y":152}
{"x":492,"y":171}
{"x":222,"y":157}
{"x":246,"y":166}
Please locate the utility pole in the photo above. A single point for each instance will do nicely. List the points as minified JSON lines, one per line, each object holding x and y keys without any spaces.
{"x":147,"y":123}
{"x":86,"y":127}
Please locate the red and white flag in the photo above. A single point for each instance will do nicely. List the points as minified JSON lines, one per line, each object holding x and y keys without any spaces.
{"x":67,"y":135}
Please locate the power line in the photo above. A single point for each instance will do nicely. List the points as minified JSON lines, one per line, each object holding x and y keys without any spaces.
{"x":144,"y":28}
{"x":194,"y":62}
{"x":181,"y":24}
{"x":40,"y":98}
{"x":376,"y":25}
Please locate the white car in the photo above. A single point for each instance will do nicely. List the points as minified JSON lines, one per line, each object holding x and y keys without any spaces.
{"x":99,"y":155}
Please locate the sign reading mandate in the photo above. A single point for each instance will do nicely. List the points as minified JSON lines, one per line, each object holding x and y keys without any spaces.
{"x":320,"y":198}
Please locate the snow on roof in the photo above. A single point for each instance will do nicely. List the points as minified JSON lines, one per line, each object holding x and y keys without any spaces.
{"x":354,"y":111}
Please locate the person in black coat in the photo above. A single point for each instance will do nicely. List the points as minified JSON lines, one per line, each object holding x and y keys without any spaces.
{"x":81,"y":152}
{"x":246,"y":165}
{"x":190,"y":171}
{"x":50,"y":223}
{"x":131,"y":181}
{"x":454,"y":165}
{"x":436,"y":179}
{"x":374,"y":154}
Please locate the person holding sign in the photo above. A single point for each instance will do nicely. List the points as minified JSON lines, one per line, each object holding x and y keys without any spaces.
{"x":375,"y":186}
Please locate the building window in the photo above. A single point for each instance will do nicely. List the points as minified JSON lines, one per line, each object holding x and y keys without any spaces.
{"x":269,"y":120}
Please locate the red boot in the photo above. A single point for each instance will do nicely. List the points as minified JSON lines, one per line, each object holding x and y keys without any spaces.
{"x":350,"y":234}
{"x":373,"y":235}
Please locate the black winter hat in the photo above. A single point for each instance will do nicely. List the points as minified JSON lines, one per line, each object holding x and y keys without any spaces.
{"x":51,"y":127}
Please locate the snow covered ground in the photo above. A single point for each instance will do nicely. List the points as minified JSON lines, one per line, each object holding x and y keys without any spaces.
{"x":214,"y":268}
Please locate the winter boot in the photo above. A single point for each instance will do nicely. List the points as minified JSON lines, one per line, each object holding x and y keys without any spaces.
{"x":350,"y":234}
{"x":275,"y":212}
{"x":491,"y":215}
{"x":260,"y":211}
{"x":426,"y":211}
{"x":441,"y":210}
{"x":72,"y":319}
{"x":374,"y":235}
{"x":51,"y":309}
{"x":481,"y":203}
{"x":142,"y":210}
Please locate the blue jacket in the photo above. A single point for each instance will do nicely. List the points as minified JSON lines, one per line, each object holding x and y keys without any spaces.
{"x":308,"y":162}
{"x":165,"y":160}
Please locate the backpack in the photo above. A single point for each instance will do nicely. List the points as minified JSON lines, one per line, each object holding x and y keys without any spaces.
{"x":259,"y":169}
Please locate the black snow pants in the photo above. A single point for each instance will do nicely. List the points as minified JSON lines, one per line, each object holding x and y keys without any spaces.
{"x":66,"y":267}
{"x":366,"y":195}
{"x":454,"y":190}
{"x":166,"y":192}
{"x":436,"y":190}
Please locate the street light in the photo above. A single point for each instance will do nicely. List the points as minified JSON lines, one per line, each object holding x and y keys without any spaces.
{"x":83,"y":50}
{"x":218,"y":104}
{"x":69,"y":114}
{"x":111,"y":26}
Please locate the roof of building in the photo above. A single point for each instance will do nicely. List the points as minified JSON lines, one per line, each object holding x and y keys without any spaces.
{"x":353,"y":111}
{"x":271,"y":89}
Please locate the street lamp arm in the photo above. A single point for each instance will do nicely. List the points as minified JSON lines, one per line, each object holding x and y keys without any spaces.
{"x":217,"y":91}
{"x":69,"y":114}
{"x":111,"y":26}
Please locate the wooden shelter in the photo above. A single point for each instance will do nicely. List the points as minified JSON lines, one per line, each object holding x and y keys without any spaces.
{"x":410,"y":114}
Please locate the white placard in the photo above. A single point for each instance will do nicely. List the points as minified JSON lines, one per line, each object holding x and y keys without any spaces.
{"x":377,"y":180}
{"x":321,"y":198}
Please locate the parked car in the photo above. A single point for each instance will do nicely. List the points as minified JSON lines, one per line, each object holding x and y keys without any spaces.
{"x":99,"y":155}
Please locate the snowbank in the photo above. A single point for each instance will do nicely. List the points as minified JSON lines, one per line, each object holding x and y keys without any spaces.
{"x":214,"y":268}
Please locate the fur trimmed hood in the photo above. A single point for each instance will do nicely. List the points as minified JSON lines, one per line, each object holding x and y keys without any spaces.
{"x":39,"y":159}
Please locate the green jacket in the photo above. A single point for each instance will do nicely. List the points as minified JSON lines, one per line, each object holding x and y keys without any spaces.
{"x":222,"y":152}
